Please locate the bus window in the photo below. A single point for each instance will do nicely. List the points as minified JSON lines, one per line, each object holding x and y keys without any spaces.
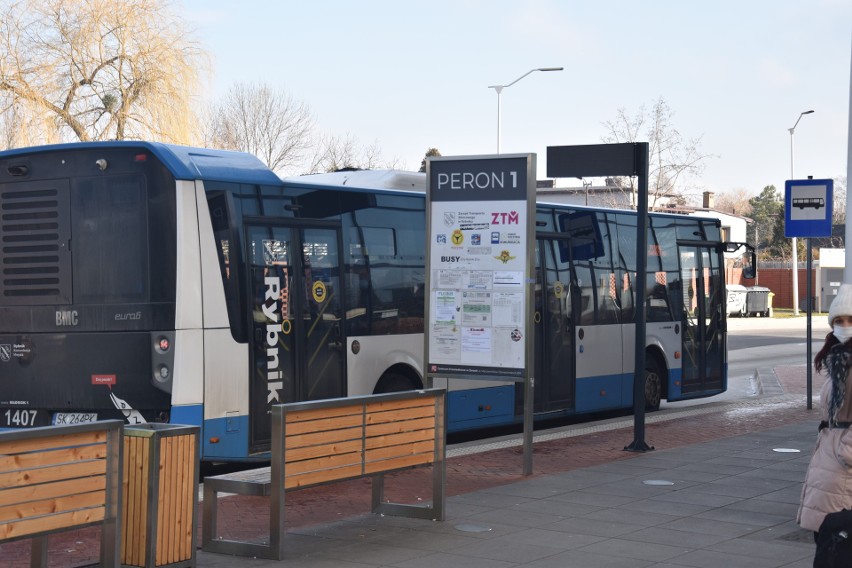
{"x":104,"y":211}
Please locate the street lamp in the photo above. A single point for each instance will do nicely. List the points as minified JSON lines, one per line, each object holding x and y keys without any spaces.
{"x":795,"y":241}
{"x":499,"y":89}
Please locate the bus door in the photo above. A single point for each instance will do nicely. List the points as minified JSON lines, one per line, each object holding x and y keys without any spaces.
{"x":702,"y":319}
{"x":297,"y":328}
{"x":555,"y":371}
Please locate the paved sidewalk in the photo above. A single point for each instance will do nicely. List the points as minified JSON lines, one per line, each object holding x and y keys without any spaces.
{"x":728,"y":502}
{"x":731,"y":502}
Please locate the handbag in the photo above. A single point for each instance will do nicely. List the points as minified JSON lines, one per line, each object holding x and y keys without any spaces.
{"x":834,"y":541}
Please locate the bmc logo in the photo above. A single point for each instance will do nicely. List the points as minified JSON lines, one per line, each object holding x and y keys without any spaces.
{"x":510,"y":218}
{"x":67,"y":318}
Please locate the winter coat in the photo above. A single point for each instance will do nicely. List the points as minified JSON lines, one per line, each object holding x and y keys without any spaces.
{"x":828,"y":482}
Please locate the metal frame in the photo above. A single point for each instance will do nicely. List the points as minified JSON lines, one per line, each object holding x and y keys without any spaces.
{"x":270,"y":481}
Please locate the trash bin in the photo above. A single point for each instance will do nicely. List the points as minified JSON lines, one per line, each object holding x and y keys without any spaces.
{"x":757,"y":301}
{"x":736,"y":304}
{"x":160,"y":499}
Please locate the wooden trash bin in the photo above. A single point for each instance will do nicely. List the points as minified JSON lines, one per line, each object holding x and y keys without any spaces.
{"x":160,"y":496}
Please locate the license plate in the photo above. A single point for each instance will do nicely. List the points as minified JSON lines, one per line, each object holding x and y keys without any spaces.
{"x":74,"y":417}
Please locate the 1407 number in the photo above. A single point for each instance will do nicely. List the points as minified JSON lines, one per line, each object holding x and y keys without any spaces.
{"x":20,"y":418}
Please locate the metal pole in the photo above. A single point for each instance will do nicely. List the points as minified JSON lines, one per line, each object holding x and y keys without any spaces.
{"x":757,"y":248}
{"x":529,"y":394}
{"x":847,"y":270}
{"x":795,"y":252}
{"x":809,"y":328}
{"x":499,"y":89}
{"x":640,"y":161}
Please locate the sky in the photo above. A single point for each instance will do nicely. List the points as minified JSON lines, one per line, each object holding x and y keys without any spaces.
{"x":409,"y":76}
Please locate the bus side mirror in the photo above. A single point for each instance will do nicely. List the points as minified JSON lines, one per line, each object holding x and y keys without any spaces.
{"x":749,"y":258}
{"x":749,"y":263}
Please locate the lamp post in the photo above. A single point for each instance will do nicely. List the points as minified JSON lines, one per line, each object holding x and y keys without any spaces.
{"x":795,"y":241}
{"x":499,"y":89}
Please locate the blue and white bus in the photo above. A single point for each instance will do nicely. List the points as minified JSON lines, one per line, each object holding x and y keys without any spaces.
{"x":161,"y":283}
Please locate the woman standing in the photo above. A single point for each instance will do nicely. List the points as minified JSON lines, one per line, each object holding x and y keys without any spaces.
{"x":826,"y":506}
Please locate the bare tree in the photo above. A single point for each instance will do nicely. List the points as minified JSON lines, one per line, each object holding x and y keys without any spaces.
{"x":100,"y":69}
{"x":333,"y":153}
{"x":672,"y":162}
{"x":265,"y":122}
{"x":21,"y":125}
{"x":839,"y":198}
{"x":735,"y":202}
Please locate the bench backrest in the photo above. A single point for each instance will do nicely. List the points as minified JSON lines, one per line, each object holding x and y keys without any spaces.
{"x":59,"y":477}
{"x":337,"y":439}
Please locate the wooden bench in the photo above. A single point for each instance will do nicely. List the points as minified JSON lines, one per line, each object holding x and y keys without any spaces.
{"x":324,"y":441}
{"x":59,"y":478}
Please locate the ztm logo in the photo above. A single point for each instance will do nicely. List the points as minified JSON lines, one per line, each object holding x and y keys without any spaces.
{"x":510,"y":218}
{"x":5,"y":352}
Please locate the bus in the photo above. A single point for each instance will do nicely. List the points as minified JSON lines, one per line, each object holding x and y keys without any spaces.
{"x":161,"y":283}
{"x":814,"y":202}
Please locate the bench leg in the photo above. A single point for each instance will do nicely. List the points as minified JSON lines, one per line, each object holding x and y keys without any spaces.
{"x":439,"y":483}
{"x":210,"y":542}
{"x":378,"y":485}
{"x":110,"y":546}
{"x":434,"y":512}
{"x":38,"y":556}
{"x":277,"y":526}
{"x":210,"y":516}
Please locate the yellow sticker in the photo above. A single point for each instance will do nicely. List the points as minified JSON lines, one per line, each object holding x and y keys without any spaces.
{"x":558,"y":289}
{"x":505,"y":256}
{"x":286,"y":327}
{"x":318,"y":291}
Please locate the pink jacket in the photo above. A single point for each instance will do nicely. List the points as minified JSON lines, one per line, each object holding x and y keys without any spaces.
{"x":828,"y":482}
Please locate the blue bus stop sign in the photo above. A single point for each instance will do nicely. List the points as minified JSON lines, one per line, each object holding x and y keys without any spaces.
{"x":808,"y":206}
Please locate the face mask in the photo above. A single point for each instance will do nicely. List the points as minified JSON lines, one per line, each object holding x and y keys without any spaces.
{"x":843,"y":334}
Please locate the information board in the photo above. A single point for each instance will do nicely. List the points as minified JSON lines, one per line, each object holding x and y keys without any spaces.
{"x":481,"y":225}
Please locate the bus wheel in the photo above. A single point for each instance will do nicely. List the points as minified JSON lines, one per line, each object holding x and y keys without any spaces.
{"x":653,"y":386}
{"x":394,"y":382}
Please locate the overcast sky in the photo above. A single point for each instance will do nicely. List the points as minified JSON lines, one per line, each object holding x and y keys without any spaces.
{"x":413,"y":75}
